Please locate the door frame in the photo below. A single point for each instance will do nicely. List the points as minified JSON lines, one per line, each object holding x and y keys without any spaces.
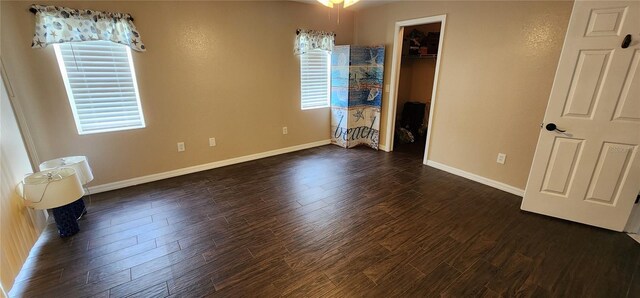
{"x":396,"y":61}
{"x":22,"y":121}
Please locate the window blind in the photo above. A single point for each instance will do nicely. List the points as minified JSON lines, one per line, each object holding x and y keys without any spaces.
{"x":314,"y":79}
{"x":101,"y":86}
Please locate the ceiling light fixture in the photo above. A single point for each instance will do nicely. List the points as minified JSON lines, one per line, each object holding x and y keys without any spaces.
{"x":330,"y":3}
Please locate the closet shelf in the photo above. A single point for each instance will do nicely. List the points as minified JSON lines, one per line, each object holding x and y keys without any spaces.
{"x":428,"y":56}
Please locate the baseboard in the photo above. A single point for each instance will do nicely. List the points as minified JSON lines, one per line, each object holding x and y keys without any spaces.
{"x":384,"y":148}
{"x":486,"y":181}
{"x":202,"y":167}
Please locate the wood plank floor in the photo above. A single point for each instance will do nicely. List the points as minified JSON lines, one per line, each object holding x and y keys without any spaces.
{"x":326,"y":222}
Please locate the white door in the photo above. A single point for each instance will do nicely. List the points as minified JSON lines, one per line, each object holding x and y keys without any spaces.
{"x":591,"y":173}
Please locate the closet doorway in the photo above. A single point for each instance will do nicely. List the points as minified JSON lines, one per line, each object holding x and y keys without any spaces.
{"x":414,"y":73}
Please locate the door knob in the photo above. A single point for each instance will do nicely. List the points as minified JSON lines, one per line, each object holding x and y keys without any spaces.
{"x":553,"y":127}
{"x":626,"y":42}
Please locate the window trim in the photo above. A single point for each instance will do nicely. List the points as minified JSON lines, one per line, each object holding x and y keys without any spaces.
{"x":328,"y":101}
{"x":67,"y":86}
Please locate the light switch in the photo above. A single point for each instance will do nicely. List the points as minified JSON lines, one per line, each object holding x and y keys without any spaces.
{"x":502,"y":158}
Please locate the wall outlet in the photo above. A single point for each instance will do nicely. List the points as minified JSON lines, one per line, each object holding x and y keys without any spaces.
{"x":212,"y":142}
{"x":181,"y":147}
{"x":502,"y":158}
{"x":285,"y":130}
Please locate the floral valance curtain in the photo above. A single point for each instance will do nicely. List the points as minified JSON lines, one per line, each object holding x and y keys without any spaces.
{"x":307,"y":40}
{"x":60,"y":24}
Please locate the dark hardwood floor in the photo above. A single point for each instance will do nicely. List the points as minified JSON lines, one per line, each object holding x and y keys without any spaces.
{"x":326,"y":222}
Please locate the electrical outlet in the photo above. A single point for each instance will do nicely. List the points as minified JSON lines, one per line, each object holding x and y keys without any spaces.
{"x":285,"y":131}
{"x":181,"y":147}
{"x":502,"y":158}
{"x":212,"y":142}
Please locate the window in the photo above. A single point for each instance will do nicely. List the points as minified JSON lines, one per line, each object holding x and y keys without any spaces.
{"x":101,"y":86}
{"x":315,"y":67}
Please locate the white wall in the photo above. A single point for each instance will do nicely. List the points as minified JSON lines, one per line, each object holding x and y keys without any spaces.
{"x":19,"y":226}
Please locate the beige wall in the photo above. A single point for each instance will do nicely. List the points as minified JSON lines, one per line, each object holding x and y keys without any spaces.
{"x":19,"y":226}
{"x":415,"y":82}
{"x":422,"y":73}
{"x":212,"y":69}
{"x":226,"y":70}
{"x":497,"y":68}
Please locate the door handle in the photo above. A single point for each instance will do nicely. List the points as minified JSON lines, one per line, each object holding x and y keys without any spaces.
{"x":626,"y":41}
{"x":553,"y":127}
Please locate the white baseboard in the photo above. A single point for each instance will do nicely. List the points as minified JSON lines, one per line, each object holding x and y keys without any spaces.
{"x":486,"y":181}
{"x":202,"y":167}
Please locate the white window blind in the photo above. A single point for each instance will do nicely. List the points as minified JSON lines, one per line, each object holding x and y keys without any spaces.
{"x":315,"y":67}
{"x":101,"y":86}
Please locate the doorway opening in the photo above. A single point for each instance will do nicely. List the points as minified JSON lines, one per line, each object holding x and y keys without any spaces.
{"x":414,"y":76}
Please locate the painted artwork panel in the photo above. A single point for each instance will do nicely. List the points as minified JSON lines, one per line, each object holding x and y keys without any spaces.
{"x":340,"y":76}
{"x":356,"y":95}
{"x":364,"y":127}
{"x":365,"y":76}
{"x":339,"y":120}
